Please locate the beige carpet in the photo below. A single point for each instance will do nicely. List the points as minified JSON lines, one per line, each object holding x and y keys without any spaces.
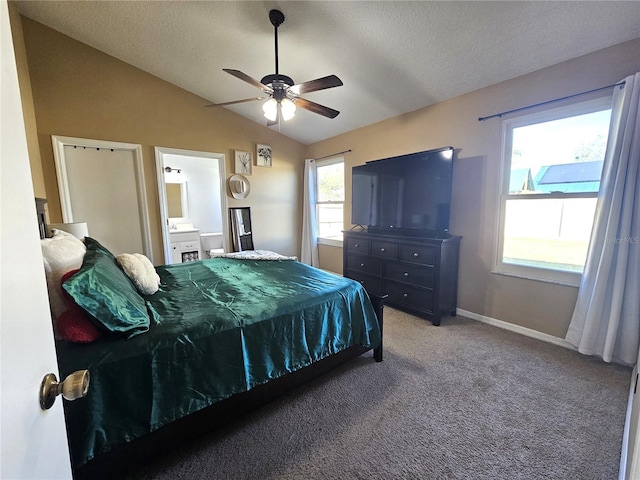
{"x":461,"y":401}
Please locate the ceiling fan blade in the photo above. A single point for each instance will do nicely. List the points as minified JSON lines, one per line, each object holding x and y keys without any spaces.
{"x":252,"y":99}
{"x":248,"y":79}
{"x":317,"y":84}
{"x":316,"y":108}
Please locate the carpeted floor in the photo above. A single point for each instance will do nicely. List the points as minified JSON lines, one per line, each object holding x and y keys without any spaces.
{"x":461,"y":401}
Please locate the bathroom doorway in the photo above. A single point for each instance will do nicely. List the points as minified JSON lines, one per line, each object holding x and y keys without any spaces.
{"x":193,"y":201}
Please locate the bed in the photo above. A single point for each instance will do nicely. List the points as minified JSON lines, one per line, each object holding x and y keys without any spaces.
{"x":224,"y":335}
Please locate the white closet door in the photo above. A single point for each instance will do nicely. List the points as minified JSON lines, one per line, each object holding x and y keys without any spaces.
{"x":103,"y":192}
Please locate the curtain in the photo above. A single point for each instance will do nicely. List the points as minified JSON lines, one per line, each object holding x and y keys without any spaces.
{"x":309,"y":251}
{"x":606,"y":319}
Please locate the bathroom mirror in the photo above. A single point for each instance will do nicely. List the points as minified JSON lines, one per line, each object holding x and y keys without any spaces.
{"x":177,"y":200}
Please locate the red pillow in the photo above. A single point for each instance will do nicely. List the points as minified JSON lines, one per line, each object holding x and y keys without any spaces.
{"x":73,"y":325}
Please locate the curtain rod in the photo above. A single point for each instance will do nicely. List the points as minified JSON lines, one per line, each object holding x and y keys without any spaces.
{"x":481,"y":119}
{"x":333,"y":155}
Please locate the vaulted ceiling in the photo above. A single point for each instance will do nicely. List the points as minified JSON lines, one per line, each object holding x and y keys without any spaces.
{"x":393,"y":56}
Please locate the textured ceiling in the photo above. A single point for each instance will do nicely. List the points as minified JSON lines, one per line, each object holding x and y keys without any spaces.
{"x":393,"y":57}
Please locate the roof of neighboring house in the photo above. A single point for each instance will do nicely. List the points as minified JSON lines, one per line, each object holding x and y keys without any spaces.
{"x":569,"y":177}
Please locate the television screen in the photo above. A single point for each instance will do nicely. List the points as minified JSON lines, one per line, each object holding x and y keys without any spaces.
{"x":408,"y":194}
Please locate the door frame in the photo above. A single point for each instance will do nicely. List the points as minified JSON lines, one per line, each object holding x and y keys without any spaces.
{"x":162,"y":196}
{"x":59,"y":144}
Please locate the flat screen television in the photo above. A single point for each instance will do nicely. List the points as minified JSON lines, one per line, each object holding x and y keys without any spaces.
{"x":408,"y":194}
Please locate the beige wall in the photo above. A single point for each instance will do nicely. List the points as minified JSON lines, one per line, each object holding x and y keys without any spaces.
{"x":541,"y":306}
{"x":26,"y":97}
{"x":81,"y":92}
{"x":330,"y":258}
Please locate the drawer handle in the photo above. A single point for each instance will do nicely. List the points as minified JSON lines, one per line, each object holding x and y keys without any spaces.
{"x":362,"y":264}
{"x":406,"y":274}
{"x":405,"y":295}
{"x":382,"y":249}
{"x":415,"y":254}
{"x":357,"y":245}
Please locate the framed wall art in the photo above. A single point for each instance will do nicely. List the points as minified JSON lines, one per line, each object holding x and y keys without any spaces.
{"x":243,"y":162}
{"x":263,"y":155}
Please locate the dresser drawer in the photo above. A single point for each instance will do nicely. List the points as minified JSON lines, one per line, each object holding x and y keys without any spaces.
{"x":364,"y":264}
{"x":420,"y":254}
{"x":413,"y":274}
{"x":358,"y":245}
{"x":189,"y":246}
{"x":410,"y":296}
{"x":372,"y":284}
{"x":384,"y":249}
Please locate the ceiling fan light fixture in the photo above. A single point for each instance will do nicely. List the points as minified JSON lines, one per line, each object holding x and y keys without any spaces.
{"x":270,"y":108}
{"x":288,"y":109}
{"x":282,"y":93}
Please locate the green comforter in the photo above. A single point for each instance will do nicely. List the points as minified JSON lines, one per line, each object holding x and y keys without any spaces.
{"x":218,"y":327}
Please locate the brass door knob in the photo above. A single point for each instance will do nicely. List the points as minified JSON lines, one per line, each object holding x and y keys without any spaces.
{"x":74,"y":386}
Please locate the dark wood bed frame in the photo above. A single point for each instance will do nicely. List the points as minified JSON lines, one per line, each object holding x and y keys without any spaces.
{"x":127,"y":458}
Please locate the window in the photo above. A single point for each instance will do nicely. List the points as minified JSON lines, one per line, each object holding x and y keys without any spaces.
{"x":330,"y":200}
{"x":552,"y":167}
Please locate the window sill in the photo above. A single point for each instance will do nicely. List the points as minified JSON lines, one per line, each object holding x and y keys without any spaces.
{"x":562,"y":278}
{"x":333,"y":242}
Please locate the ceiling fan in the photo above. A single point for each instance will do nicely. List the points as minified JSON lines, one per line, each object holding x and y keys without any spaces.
{"x":283,"y":96}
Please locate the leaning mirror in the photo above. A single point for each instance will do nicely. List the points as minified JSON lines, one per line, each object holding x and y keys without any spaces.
{"x":241,"y":236}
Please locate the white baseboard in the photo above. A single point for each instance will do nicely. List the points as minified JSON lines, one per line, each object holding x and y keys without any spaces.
{"x":516,"y":328}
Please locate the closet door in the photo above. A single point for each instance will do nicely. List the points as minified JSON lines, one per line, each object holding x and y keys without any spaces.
{"x":101,"y":184}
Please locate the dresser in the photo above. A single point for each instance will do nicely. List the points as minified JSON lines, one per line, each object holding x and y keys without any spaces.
{"x":419,"y":275}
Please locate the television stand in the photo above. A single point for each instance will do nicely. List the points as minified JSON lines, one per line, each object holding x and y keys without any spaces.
{"x":419,"y":274}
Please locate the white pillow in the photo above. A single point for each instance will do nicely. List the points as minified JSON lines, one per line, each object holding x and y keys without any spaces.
{"x":61,"y":253}
{"x":141,"y":272}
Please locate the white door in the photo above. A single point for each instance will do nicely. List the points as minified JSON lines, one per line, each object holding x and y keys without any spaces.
{"x":630,"y":458}
{"x":102,"y":183}
{"x":33,"y":443}
{"x":102,"y":191}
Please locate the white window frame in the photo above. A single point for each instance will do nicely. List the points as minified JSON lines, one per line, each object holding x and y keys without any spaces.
{"x":332,"y":241}
{"x":602,"y":102}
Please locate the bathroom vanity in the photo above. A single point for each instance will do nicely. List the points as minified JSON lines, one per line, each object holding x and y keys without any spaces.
{"x":185,"y":245}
